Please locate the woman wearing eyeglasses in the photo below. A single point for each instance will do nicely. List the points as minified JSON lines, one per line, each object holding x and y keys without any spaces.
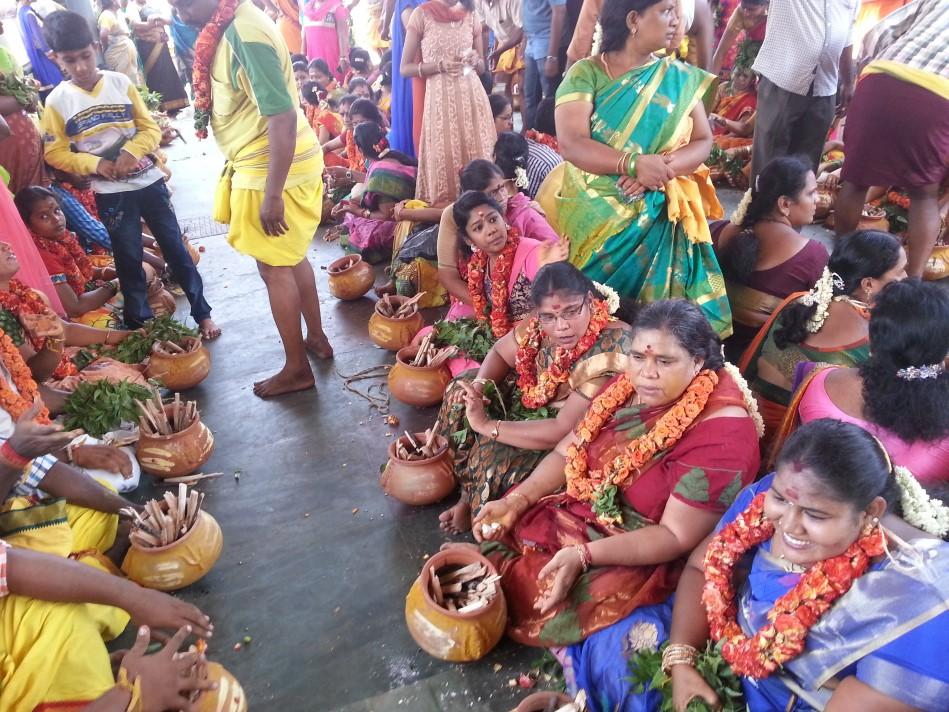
{"x":551,"y":364}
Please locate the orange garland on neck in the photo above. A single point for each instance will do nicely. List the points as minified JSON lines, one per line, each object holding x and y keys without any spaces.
{"x":599,"y":487}
{"x":795,"y":613}
{"x":538,"y":389}
{"x":17,"y":403}
{"x":477,"y":267}
{"x":78,"y":266}
{"x":204,"y":49}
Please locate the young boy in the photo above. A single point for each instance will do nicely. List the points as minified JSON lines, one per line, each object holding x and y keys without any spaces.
{"x":101,"y":115}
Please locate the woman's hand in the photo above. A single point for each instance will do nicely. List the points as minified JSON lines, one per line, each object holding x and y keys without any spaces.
{"x":102,"y":457}
{"x":343,"y":206}
{"x":497,"y":518}
{"x":653,"y":171}
{"x":687,"y":684}
{"x":554,"y":251}
{"x":167,"y":677}
{"x":829,"y":181}
{"x":397,"y":211}
{"x":631,"y":187}
{"x":474,"y":409}
{"x":31,"y":439}
{"x":451,"y":68}
{"x":562,"y":571}
{"x":162,"y":612}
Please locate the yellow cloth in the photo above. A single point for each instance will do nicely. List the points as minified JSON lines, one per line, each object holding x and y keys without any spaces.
{"x":511,"y":61}
{"x":50,"y":653}
{"x":927,"y":80}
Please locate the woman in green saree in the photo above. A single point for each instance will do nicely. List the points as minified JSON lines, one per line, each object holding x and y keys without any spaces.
{"x":634,"y":194}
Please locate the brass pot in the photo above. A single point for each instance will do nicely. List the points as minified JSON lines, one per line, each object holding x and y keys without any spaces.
{"x":179,"y":372}
{"x":450,"y":635}
{"x":350,"y":277}
{"x":420,"y":386}
{"x":419,"y":482}
{"x":391,"y":333}
{"x":179,"y":564}
{"x":177,"y":454}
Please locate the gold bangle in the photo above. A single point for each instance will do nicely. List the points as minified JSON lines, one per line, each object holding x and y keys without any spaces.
{"x":519,"y":494}
{"x":133,"y":688}
{"x":678,"y":654}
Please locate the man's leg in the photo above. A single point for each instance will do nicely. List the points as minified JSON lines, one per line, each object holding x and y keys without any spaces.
{"x":316,"y":341}
{"x":286,"y":307}
{"x":121,"y":215}
{"x":160,"y":216}
{"x":847,"y":207}
{"x":923,"y":227}
{"x":811,"y":117}
{"x":533,"y":91}
{"x":772,"y":129}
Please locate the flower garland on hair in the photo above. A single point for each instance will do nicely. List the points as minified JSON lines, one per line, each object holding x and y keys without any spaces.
{"x":741,"y":210}
{"x":919,"y":509}
{"x":16,"y":403}
{"x":795,"y":613}
{"x":477,"y":266}
{"x":520,"y":178}
{"x":79,"y":270}
{"x":821,"y":296}
{"x":204,"y":49}
{"x":545,"y":139}
{"x":610,"y":295}
{"x":751,"y":403}
{"x":600,"y":487}
{"x":538,"y":389}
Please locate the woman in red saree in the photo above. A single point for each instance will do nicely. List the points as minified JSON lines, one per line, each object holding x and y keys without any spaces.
{"x":660,"y":455}
{"x":732,"y":120}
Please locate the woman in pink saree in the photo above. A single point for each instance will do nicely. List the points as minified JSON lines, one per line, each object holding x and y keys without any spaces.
{"x":326,"y":33}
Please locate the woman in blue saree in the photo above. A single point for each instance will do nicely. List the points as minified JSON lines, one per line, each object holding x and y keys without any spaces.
{"x":31,"y":30}
{"x":880,"y":646}
{"x":634,"y":195}
{"x":401,"y":113}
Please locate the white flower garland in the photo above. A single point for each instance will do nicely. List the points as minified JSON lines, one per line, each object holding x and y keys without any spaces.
{"x":520,"y":178}
{"x":610,"y":295}
{"x":821,"y":296}
{"x":750,"y":403}
{"x":919,"y":509}
{"x":597,"y":38}
{"x":738,"y":215}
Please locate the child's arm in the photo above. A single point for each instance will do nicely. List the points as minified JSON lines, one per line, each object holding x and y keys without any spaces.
{"x":56,"y":147}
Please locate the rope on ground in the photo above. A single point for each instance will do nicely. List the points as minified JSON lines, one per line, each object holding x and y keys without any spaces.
{"x":377,"y":394}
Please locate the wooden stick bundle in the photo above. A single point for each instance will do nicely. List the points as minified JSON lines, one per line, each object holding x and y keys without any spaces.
{"x":387,"y":307}
{"x":408,"y":448}
{"x":155,"y":420}
{"x":170,"y":348}
{"x":463,"y":588}
{"x":167,"y":520}
{"x":343,"y":265}
{"x":430,"y":355}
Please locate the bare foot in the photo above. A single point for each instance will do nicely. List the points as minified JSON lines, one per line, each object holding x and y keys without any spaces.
{"x":319,"y":345}
{"x":284,"y":382}
{"x":456,"y":520}
{"x":209,"y":330}
{"x":384,"y":289}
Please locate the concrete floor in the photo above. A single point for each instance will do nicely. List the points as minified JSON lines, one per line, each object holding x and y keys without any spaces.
{"x":317,"y":561}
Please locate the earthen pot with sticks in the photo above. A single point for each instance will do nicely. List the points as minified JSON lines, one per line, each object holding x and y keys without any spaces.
{"x":350,"y":277}
{"x":421,"y":374}
{"x":227,"y":697}
{"x":172,"y":439}
{"x":420,"y":469}
{"x":456,"y":610}
{"x":395,"y":321}
{"x":179,"y":367}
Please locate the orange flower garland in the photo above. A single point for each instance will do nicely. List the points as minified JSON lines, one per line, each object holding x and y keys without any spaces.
{"x":500,"y":275}
{"x":794,"y":614}
{"x":20,"y":299}
{"x":600,"y":487}
{"x":79,"y":269}
{"x":16,"y":403}
{"x":538,"y":389}
{"x":204,"y":48}
{"x":546,"y":139}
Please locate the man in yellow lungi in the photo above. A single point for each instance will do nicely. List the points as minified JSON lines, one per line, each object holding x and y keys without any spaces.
{"x":271,"y":192}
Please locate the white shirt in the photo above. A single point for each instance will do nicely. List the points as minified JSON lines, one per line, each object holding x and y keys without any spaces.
{"x":803,"y":44}
{"x":502,"y":17}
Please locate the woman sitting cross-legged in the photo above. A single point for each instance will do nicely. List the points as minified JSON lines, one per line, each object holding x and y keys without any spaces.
{"x":389,"y":179}
{"x":836,"y":612}
{"x":763,"y":256}
{"x":660,"y":454}
{"x":900,"y":393}
{"x":828,"y":324}
{"x":561,"y":357}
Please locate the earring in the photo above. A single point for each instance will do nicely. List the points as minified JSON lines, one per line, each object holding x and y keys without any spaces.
{"x":866,"y":291}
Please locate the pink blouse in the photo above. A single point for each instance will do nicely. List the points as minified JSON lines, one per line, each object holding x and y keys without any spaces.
{"x":928,"y":461}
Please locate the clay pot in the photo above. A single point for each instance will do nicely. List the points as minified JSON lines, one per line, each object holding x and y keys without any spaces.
{"x":394,"y":334}
{"x":420,"y":386}
{"x":937,"y":266}
{"x":162,"y":302}
{"x":540,"y":701}
{"x":179,"y":564}
{"x":449,"y":635}
{"x":229,"y":695}
{"x":179,"y":372}
{"x":873,"y":218}
{"x":825,"y":203}
{"x":350,"y":277}
{"x":177,"y":454}
{"x":419,"y":482}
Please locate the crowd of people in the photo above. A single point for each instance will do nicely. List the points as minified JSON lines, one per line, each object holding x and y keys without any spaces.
{"x":645,"y":394}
